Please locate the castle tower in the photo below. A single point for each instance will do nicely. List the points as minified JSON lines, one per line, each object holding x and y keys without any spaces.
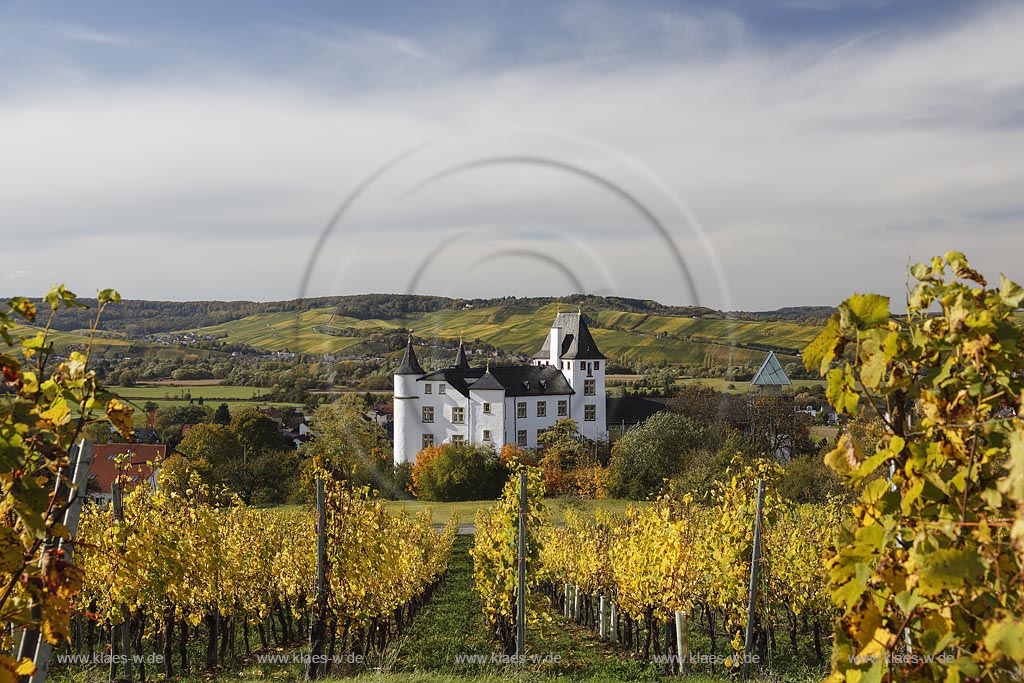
{"x":407,"y":406}
{"x":571,"y":348}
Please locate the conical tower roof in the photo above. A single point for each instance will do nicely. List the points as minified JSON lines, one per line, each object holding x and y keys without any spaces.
{"x":409,"y":366}
{"x":460,"y":359}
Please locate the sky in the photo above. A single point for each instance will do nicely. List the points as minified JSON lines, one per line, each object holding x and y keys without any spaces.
{"x":740,"y":155}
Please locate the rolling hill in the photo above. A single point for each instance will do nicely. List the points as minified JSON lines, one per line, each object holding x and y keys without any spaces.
{"x":627,"y":330}
{"x":688,"y":340}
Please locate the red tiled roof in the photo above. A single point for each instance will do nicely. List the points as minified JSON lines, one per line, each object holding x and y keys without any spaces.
{"x":104,"y":470}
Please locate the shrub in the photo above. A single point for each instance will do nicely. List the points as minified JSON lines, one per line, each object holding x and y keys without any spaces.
{"x":453,"y":472}
{"x":651,"y":452}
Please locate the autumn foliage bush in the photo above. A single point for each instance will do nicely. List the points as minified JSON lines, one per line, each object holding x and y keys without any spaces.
{"x":452,"y":472}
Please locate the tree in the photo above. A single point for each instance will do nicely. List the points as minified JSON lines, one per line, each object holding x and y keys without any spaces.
{"x":257,"y":433}
{"x":222,"y":416}
{"x":99,"y":432}
{"x":454,"y":472}
{"x":776,"y":429}
{"x":211,"y":446}
{"x":169,"y":421}
{"x":649,"y":453}
{"x":808,"y":480}
{"x":570,"y":461}
{"x":349,"y":445}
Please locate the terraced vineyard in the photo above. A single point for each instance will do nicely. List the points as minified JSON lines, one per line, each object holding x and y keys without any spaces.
{"x":622,"y":335}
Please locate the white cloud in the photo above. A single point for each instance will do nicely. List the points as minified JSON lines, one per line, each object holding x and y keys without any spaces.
{"x":816,"y":169}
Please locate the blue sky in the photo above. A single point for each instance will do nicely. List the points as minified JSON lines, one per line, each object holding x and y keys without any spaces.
{"x":785,"y":152}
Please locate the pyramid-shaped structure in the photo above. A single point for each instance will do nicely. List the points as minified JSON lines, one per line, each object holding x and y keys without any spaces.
{"x":770,"y":373}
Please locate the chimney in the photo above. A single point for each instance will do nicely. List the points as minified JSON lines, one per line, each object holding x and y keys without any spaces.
{"x":555,"y":342}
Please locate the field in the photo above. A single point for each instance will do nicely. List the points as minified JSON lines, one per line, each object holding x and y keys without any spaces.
{"x":176,"y":394}
{"x":742,"y":387}
{"x":624,"y":336}
{"x":182,"y":390}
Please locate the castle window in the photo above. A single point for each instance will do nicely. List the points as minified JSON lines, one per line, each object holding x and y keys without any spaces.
{"x":542,"y":409}
{"x":458,"y":415}
{"x":583,"y":365}
{"x":563,"y":408}
{"x":597,"y":365}
{"x":440,"y":388}
{"x":487,"y":408}
{"x":521,"y":438}
{"x":590,"y":412}
{"x":487,"y":435}
{"x":428,"y":413}
{"x":428,"y":440}
{"x":458,"y":438}
{"x":428,"y":388}
{"x":520,"y":410}
{"x":589,"y":387}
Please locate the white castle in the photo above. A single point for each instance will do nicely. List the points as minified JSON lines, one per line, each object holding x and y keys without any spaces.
{"x":502,"y":405}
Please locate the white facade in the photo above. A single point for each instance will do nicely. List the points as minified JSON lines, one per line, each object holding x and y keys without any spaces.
{"x":503,"y":405}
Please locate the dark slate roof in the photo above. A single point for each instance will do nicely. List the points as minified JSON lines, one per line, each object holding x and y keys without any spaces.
{"x":409,"y":366}
{"x":487,"y":381}
{"x":632,"y":410}
{"x":519,"y":380}
{"x":577,"y":342}
{"x":532,"y":380}
{"x":460,"y":359}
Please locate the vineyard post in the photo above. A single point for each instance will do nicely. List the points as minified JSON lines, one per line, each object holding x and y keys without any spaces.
{"x":125,"y":628}
{"x":600,"y":618}
{"x":682,"y":638}
{"x":755,"y":561}
{"x":565,"y":608}
{"x":521,"y":597}
{"x":31,"y":644}
{"x":317,"y":626}
{"x":613,"y":623}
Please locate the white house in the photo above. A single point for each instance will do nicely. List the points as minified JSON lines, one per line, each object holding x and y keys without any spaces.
{"x":503,"y":404}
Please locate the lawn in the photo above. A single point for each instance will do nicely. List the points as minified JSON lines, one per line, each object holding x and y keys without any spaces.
{"x":466,"y":511}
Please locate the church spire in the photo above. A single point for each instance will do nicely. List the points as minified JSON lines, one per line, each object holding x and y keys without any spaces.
{"x":460,"y":359}
{"x":409,"y":366}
